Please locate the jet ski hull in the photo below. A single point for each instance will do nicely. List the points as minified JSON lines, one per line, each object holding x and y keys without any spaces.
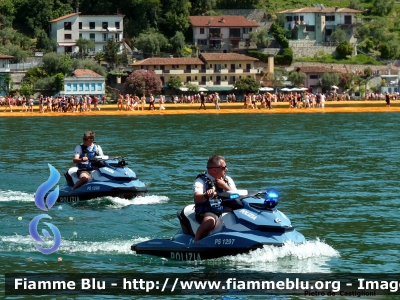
{"x":223,"y":243}
{"x":67,"y":195}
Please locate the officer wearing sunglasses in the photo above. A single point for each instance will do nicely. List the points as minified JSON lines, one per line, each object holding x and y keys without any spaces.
{"x":205,"y":188}
{"x":83,"y":152}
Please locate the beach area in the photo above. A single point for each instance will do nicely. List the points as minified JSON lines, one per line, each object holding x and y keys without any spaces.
{"x":225,"y":108}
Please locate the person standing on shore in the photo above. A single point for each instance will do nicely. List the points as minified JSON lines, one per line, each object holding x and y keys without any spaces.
{"x":151,"y":102}
{"x":202,"y":101}
{"x":387,"y":97}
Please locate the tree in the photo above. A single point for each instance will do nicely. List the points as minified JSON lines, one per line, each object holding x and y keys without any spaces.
{"x":260,"y":38}
{"x":382,"y":7}
{"x":174,"y":16}
{"x":54,"y":63}
{"x":297,"y":78}
{"x":43,"y":41}
{"x":111,"y":50}
{"x":26,"y":88}
{"x":329,"y":79}
{"x":355,"y":4}
{"x":150,"y":43}
{"x":143,"y":82}
{"x":344,"y":49}
{"x":84,"y":46}
{"x":385,"y":50}
{"x":6,"y":83}
{"x":202,"y":6}
{"x":339,"y":35}
{"x":59,"y":82}
{"x":174,"y":83}
{"x":192,"y":87}
{"x":345,"y":80}
{"x":247,"y":85}
{"x":88,"y":64}
{"x":177,"y":42}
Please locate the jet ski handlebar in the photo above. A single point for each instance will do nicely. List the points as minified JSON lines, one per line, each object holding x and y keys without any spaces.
{"x":101,"y":161}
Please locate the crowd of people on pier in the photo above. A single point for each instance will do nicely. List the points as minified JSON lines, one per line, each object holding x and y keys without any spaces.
{"x":132,"y":102}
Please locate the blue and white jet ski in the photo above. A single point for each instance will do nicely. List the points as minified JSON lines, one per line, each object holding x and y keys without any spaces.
{"x":112,"y":178}
{"x":250,"y":222}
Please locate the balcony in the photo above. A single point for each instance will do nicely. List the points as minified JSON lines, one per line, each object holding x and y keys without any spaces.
{"x":176,"y":71}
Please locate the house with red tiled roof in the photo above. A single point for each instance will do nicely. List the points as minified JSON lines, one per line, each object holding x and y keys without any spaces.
{"x":212,"y":71}
{"x":67,"y":29}
{"x":319,"y":22}
{"x":222,"y":33}
{"x":84,"y":82}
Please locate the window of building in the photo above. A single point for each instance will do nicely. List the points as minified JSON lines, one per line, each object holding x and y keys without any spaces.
{"x":92,"y":36}
{"x":195,"y":78}
{"x":188,"y":78}
{"x":234,"y":32}
{"x":68,"y":85}
{"x":104,"y":25}
{"x":211,"y":78}
{"x":80,"y":25}
{"x":80,"y":35}
{"x":81,"y":87}
{"x":232,"y":79}
{"x":67,"y":26}
{"x":240,"y":65}
{"x":202,"y":42}
{"x":202,"y":30}
{"x":310,"y":27}
{"x":117,"y":25}
{"x":92,"y":86}
{"x":314,"y":76}
{"x":67,"y":36}
{"x":74,"y":87}
{"x":105,"y":37}
{"x":328,"y":31}
{"x":289,"y":18}
{"x":92,"y":25}
{"x":247,"y":30}
{"x":99,"y":86}
{"x":87,"y":87}
{"x":298,"y":18}
{"x":329,"y":18}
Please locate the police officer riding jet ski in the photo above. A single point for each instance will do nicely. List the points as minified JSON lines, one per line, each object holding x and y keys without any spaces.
{"x":247,"y":221}
{"x":110,"y":177}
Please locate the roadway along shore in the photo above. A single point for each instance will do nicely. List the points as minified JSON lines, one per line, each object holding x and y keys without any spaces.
{"x":225,"y":108}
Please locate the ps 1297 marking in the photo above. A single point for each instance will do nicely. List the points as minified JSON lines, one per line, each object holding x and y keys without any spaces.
{"x":69,"y":199}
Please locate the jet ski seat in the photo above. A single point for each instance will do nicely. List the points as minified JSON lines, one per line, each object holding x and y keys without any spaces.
{"x":71,"y":176}
{"x":188,"y":221}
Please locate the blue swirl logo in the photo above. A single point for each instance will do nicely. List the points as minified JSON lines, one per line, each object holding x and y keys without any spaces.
{"x":40,"y":203}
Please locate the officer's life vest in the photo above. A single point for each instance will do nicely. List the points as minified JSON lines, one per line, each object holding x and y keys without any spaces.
{"x":206,"y":206}
{"x":87,"y":166}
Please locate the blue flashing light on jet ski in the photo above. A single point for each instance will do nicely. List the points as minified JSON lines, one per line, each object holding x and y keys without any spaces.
{"x":111,"y":177}
{"x":249,"y":221}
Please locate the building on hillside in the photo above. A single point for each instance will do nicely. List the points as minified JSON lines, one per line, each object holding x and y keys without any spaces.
{"x":314,"y":75}
{"x":212,"y":71}
{"x":84,"y":82}
{"x":66,"y":30}
{"x":222,"y":33}
{"x":4,"y":69}
{"x":318,"y":23}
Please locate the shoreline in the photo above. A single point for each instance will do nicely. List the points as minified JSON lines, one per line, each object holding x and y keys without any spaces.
{"x":226,"y":108}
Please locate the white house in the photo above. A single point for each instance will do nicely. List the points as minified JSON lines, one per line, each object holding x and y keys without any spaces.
{"x":84,"y":82}
{"x":98,"y":28}
{"x":318,"y":23}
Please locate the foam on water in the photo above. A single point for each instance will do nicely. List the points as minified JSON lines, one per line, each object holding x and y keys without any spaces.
{"x":19,"y":243}
{"x":311,"y":256}
{"x":9,"y":195}
{"x":146,"y":200}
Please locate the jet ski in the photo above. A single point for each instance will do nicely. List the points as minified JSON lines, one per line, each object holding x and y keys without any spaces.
{"x":111,"y":177}
{"x":249,"y":221}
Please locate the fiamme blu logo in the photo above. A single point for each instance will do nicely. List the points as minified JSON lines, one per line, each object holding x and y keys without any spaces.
{"x":51,"y":198}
